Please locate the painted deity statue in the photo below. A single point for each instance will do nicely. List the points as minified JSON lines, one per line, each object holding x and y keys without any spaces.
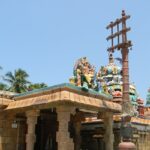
{"x":84,"y":74}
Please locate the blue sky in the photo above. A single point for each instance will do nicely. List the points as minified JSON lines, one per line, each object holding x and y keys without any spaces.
{"x":46,"y":37}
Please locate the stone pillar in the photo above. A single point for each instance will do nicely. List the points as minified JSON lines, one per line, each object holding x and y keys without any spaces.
{"x":140,"y":141}
{"x":77,"y":119}
{"x":148,"y":139}
{"x":32,"y":116}
{"x":77,"y":126}
{"x":20,"y":133}
{"x":117,"y":138}
{"x":108,"y":125}
{"x":2,"y":119}
{"x":63,"y":136}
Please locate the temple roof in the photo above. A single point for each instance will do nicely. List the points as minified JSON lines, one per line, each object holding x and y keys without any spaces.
{"x":64,"y":94}
{"x":59,"y":86}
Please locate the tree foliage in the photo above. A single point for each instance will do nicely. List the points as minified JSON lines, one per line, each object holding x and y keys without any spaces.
{"x":3,"y":86}
{"x":36,"y":86}
{"x":148,"y":98}
{"x":18,"y":82}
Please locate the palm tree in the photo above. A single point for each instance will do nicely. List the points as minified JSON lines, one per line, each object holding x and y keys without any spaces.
{"x":3,"y":86}
{"x":18,"y":80}
{"x":1,"y":75}
{"x":36,"y":86}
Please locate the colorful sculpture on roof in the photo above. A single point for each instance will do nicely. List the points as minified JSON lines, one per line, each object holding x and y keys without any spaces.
{"x":108,"y":80}
{"x":84,"y":74}
{"x":111,"y":75}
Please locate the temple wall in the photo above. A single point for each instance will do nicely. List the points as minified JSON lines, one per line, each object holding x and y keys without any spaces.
{"x":140,"y":138}
{"x":143,"y":141}
{"x":14,"y":138}
{"x":8,"y":135}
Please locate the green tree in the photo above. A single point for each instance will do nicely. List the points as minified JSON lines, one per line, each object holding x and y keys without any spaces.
{"x":148,"y":98}
{"x":36,"y":86}
{"x":3,"y":86}
{"x":18,"y":81}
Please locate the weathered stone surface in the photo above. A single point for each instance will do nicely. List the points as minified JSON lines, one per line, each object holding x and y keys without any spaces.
{"x":7,"y":133}
{"x":31,"y":122}
{"x":63,"y":135}
{"x":109,"y":136}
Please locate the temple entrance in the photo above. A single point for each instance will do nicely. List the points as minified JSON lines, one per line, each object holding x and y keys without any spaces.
{"x":46,"y":129}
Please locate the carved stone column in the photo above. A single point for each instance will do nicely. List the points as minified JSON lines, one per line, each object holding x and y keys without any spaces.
{"x":77,"y":119}
{"x":20,"y":133}
{"x":63,"y":136}
{"x":32,"y":116}
{"x":2,"y":120}
{"x":77,"y":126}
{"x":108,"y":125}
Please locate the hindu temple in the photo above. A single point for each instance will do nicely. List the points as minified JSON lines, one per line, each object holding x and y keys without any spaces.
{"x":84,"y":114}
